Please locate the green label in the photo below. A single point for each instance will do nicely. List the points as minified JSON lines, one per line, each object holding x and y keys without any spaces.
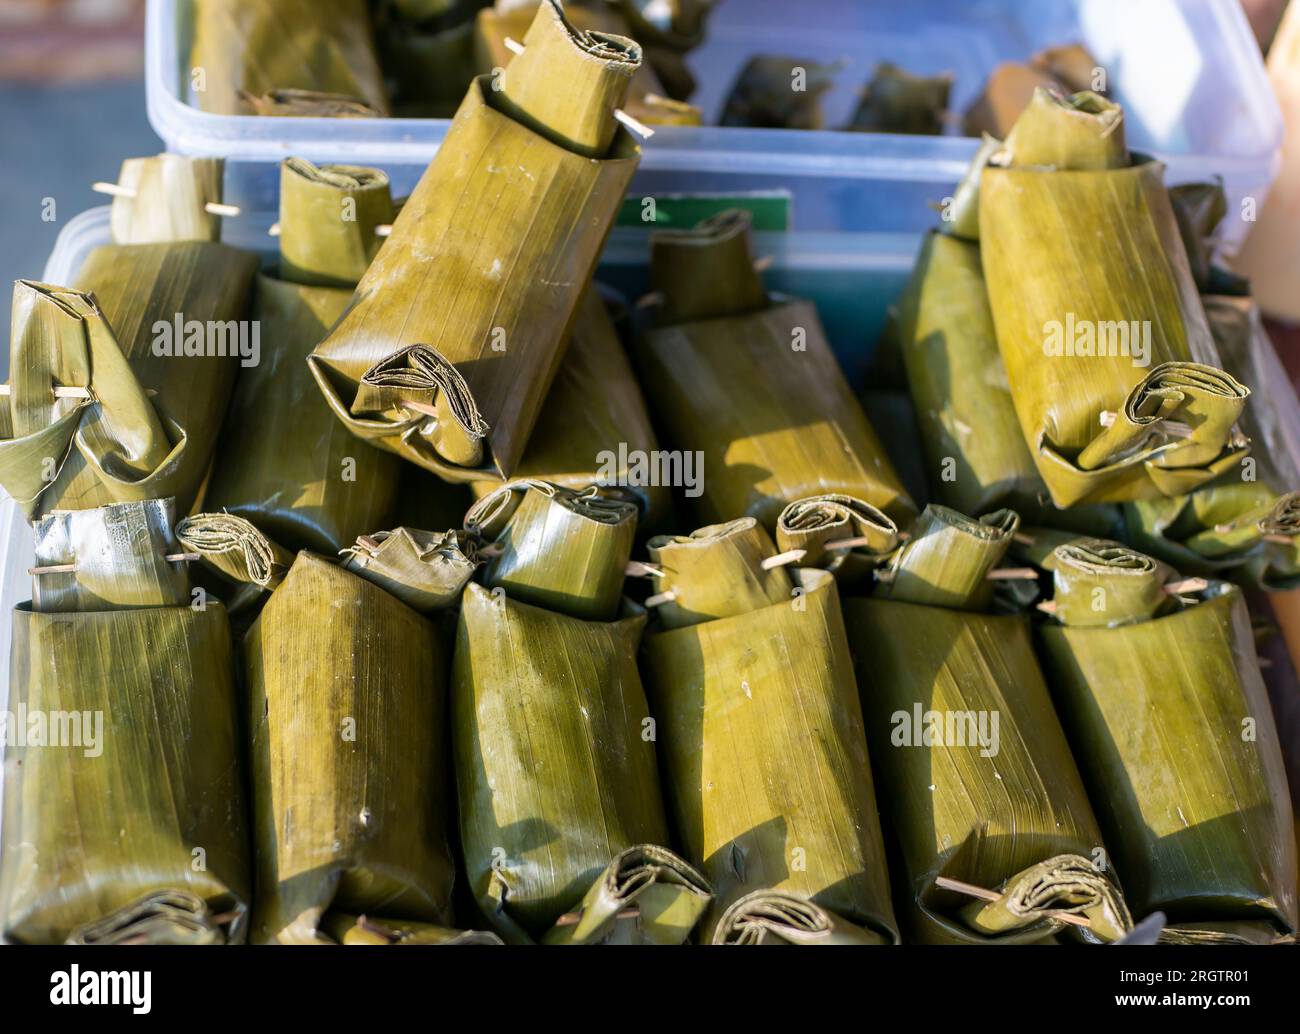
{"x":770,"y":209}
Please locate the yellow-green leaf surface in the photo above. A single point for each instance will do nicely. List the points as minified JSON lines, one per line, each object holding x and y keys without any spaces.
{"x":119,"y":553}
{"x":151,"y":787}
{"x":284,"y":461}
{"x":594,"y":427}
{"x":965,"y":803}
{"x":947,"y":560}
{"x":347,"y":707}
{"x":766,"y":760}
{"x":426,"y":570}
{"x":758,"y":395}
{"x":171,"y":191}
{"x":138,"y":287}
{"x":1171,"y":724}
{"x":557,"y":548}
{"x":487,"y":288}
{"x":1144,"y":412}
{"x":820,"y":523}
{"x":259,"y":46}
{"x":554,"y":771}
{"x":328,"y":215}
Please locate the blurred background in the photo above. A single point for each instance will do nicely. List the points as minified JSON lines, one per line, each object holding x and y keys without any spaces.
{"x":71,"y":108}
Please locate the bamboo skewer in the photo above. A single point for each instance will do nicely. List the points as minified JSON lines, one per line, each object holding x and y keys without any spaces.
{"x":984,"y":894}
{"x":117,"y":190}
{"x":60,"y":392}
{"x":639,"y":128}
{"x":171,"y":558}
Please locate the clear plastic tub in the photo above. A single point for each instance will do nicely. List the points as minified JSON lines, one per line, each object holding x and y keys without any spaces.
{"x":1188,"y":72}
{"x":853,"y":278}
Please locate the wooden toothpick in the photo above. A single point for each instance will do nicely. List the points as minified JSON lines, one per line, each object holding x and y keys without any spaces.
{"x":117,"y":190}
{"x":1012,"y":574}
{"x":790,"y":556}
{"x":59,"y":392}
{"x":970,"y":890}
{"x":641,"y":569}
{"x":639,"y":128}
{"x":660,"y":598}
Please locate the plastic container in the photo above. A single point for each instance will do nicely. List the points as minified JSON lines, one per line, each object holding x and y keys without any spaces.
{"x":1188,"y":72}
{"x":853,"y":278}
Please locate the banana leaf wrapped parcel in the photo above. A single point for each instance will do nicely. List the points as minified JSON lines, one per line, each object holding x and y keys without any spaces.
{"x":645,"y":100}
{"x":837,"y":533}
{"x":109,"y":558}
{"x":762,"y":743}
{"x":1244,"y":525}
{"x":594,"y":428}
{"x":774,"y":91}
{"x":246,"y":563}
{"x":562,"y":820}
{"x":1113,"y":370}
{"x":167,"y":200}
{"x":239,"y":55}
{"x":284,"y":462}
{"x":899,"y":101}
{"x":347,"y":712}
{"x":457,"y":328}
{"x":131,"y":340}
{"x":976,"y":778}
{"x":426,"y":570}
{"x":1160,"y":692}
{"x":123,"y":793}
{"x":752,"y":385}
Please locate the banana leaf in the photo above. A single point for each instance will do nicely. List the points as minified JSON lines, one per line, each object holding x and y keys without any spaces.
{"x":594,"y":427}
{"x":773,"y":91}
{"x":163,"y":917}
{"x":426,"y":570}
{"x":556,"y":774}
{"x":328,"y":215}
{"x":976,"y":779}
{"x":291,"y":103}
{"x":820,"y":522}
{"x":775,"y":917}
{"x":492,"y":27}
{"x":240,"y":49}
{"x":716,"y":572}
{"x":898,"y":101}
{"x":540,"y":172}
{"x":171,"y":191}
{"x":1128,"y":402}
{"x":123,"y":795}
{"x":668,"y":31}
{"x":248,"y":564}
{"x":556,"y":548}
{"x":118,"y":553}
{"x":646,"y":895}
{"x":283,"y":461}
{"x":1239,"y":529}
{"x":1244,"y":525}
{"x":149,"y":424}
{"x":1170,"y":719}
{"x":346,"y":929}
{"x":737,"y":699}
{"x":948,"y":558}
{"x":754,"y":388}
{"x":974,"y":450}
{"x":347,"y":692}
